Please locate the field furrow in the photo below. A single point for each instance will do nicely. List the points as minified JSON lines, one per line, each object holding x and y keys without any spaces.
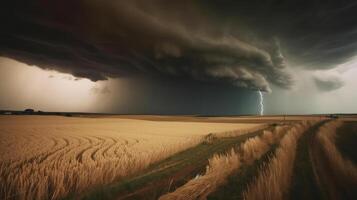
{"x":54,"y":157}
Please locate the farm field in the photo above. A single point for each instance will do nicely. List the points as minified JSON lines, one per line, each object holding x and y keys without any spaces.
{"x":177,"y":157}
{"x":50,"y":157}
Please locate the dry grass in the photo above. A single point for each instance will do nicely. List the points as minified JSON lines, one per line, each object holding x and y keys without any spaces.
{"x":345,"y":169}
{"x":274,"y":179}
{"x":44,"y":157}
{"x":221,"y":166}
{"x":255,"y":147}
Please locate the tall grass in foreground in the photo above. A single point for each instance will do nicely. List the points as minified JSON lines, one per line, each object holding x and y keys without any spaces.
{"x":344,"y":168}
{"x":255,"y":147}
{"x":274,"y":179}
{"x":221,"y":166}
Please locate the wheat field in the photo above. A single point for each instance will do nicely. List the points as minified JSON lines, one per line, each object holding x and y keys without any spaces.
{"x":222,"y":165}
{"x":274,"y":179}
{"x":346,"y":169}
{"x":50,"y":157}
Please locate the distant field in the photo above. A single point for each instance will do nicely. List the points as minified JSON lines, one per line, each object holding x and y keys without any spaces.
{"x":221,"y":119}
{"x":48,"y":157}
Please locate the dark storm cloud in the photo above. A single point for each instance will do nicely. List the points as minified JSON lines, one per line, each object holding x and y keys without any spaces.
{"x":121,"y":38}
{"x":314,"y":34}
{"x":328,"y":83}
{"x":226,"y":41}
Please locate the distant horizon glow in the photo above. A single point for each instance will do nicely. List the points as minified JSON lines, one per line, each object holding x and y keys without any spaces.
{"x":47,"y":90}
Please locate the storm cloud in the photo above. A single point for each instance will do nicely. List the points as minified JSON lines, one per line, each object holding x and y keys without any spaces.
{"x":314,"y":34}
{"x":243,"y":44}
{"x":328,"y":83}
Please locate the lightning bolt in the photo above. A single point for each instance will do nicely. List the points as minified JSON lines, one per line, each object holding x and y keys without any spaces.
{"x":261,"y":102}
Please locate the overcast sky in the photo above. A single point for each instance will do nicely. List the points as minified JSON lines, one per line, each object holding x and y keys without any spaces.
{"x":206,"y":57}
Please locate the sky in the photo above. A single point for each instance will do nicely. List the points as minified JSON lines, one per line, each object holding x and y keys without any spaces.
{"x":207,"y":57}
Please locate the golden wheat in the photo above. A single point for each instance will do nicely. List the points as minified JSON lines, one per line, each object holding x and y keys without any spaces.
{"x":345,"y":169}
{"x":255,"y":147}
{"x":221,"y":166}
{"x":201,"y":186}
{"x":274,"y":179}
{"x":44,"y":157}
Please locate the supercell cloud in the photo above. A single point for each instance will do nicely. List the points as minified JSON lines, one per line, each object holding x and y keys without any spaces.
{"x":248,"y":45}
{"x":328,"y":83}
